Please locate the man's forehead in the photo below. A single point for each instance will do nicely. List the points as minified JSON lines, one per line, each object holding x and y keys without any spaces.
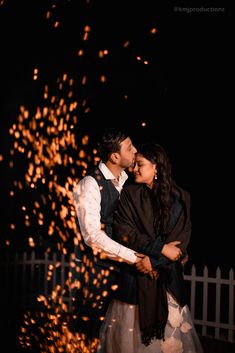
{"x":127,"y":142}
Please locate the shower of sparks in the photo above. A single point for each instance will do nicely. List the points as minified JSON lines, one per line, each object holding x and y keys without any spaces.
{"x":55,"y":159}
{"x":50,"y":328}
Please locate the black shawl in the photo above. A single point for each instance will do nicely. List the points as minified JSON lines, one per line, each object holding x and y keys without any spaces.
{"x":134,"y":227}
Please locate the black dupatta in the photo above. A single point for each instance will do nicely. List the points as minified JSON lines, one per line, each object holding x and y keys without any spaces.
{"x":134,"y":227}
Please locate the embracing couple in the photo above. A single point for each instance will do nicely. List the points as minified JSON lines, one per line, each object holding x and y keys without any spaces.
{"x":132,"y":248}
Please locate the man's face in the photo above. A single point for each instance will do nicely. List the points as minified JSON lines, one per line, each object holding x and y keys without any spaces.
{"x":127,"y":153}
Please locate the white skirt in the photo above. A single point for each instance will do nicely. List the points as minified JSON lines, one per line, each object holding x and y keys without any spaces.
{"x":120,"y":331}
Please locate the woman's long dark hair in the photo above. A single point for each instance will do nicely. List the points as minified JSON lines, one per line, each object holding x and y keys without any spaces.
{"x":163,"y":185}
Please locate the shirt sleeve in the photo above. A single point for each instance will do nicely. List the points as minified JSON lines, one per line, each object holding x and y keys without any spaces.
{"x":87,"y":201}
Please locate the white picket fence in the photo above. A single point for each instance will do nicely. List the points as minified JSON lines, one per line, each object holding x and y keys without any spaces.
{"x":210,"y":298}
{"x":216,"y":295}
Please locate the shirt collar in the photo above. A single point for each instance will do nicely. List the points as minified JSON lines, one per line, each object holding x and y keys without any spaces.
{"x":109,"y":175}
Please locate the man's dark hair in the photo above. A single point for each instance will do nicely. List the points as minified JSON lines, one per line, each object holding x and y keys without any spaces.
{"x":110,"y":142}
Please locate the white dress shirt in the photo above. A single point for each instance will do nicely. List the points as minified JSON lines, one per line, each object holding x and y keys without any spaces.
{"x":87,"y":200}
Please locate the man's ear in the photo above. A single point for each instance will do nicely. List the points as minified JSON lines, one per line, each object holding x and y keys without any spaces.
{"x":114,"y":157}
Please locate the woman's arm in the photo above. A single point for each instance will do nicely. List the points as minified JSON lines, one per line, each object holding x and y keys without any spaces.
{"x":126,"y":230}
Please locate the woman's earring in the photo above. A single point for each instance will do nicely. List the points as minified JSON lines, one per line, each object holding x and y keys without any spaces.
{"x":155,"y":177}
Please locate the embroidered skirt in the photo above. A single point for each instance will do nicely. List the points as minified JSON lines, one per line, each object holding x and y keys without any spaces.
{"x":120,"y":331}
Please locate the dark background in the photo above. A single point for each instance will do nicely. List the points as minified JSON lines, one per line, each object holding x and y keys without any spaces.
{"x":183,"y":94}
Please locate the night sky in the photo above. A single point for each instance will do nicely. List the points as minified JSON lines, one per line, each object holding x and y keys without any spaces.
{"x":162,"y":71}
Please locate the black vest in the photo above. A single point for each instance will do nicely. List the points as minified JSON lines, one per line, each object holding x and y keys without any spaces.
{"x":109,"y":199}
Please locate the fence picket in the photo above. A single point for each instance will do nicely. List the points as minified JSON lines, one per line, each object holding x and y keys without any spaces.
{"x":45,"y":274}
{"x":205,"y":298}
{"x":231,"y":337}
{"x":193,"y":291}
{"x":54,"y":270}
{"x":218,"y":302}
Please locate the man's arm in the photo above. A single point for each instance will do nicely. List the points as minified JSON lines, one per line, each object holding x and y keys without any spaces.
{"x":87,"y":201}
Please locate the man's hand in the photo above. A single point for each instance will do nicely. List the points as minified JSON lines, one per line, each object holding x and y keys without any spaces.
{"x":171,"y":250}
{"x":154,"y":274}
{"x":144,"y":266}
{"x":139,"y":257}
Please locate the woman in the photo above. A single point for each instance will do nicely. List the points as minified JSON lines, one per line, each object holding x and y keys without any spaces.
{"x":149,"y":313}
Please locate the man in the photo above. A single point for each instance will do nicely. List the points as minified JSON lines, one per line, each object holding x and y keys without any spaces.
{"x":95,"y":198}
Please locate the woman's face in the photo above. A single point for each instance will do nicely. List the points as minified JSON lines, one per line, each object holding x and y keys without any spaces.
{"x":144,"y":170}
